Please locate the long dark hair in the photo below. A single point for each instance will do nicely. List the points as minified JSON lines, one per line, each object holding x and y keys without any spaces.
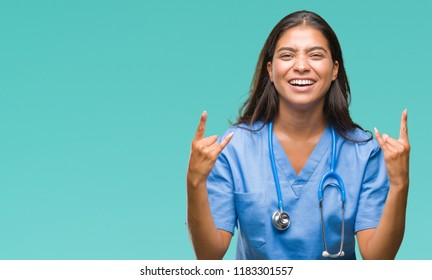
{"x":263,"y":101}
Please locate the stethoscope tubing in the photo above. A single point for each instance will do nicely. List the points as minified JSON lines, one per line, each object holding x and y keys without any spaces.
{"x":273,"y":163}
{"x":331,"y":174}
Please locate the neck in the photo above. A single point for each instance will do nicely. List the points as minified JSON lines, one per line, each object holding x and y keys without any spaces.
{"x":300,"y":125}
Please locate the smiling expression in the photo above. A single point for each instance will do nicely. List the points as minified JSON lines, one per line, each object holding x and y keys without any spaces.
{"x":302,"y":68}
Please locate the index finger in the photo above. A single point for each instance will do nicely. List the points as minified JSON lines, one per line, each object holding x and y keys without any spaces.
{"x":403,"y":133}
{"x":201,"y":126}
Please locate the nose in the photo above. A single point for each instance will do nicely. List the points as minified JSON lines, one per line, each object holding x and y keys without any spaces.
{"x":301,"y":65}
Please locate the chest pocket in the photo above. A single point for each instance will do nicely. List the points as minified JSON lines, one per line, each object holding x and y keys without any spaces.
{"x":251,"y":213}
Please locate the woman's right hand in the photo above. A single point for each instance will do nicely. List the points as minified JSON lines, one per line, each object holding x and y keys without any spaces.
{"x":208,"y":241}
{"x":204,"y":153}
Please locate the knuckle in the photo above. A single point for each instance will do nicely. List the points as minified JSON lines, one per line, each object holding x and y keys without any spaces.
{"x":198,"y":146}
{"x":218,"y":149}
{"x":208,"y":156}
{"x":408,"y":147}
{"x":195,"y":145}
{"x":391,"y":156}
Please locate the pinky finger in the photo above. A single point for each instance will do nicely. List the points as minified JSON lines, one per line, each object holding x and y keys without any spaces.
{"x":217,"y":148}
{"x":226,"y":140}
{"x":379,"y":138}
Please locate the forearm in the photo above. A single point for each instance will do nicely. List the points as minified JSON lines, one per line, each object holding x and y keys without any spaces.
{"x":386,"y":239}
{"x":207,"y":240}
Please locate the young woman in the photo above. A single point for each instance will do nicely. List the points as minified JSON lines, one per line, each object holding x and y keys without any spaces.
{"x":295,"y":175}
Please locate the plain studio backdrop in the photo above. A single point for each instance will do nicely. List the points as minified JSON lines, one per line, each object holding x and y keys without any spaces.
{"x":99,"y":102}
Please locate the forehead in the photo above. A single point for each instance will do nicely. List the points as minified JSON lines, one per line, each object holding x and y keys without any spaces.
{"x":302,"y":36}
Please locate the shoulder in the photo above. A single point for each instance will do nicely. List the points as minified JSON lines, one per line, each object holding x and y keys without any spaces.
{"x":257,"y":129}
{"x":246,"y":135}
{"x":359,"y":135}
{"x":362,"y":141}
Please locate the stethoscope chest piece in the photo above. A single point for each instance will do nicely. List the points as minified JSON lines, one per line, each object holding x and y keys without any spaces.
{"x":281,"y":220}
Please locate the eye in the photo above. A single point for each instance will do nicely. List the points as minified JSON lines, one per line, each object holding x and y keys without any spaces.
{"x":286,"y":56}
{"x":316,"y":56}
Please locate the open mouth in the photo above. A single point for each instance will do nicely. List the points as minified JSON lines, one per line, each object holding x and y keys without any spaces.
{"x":301,"y":83}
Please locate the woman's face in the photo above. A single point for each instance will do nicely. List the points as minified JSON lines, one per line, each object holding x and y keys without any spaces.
{"x":302,"y":68}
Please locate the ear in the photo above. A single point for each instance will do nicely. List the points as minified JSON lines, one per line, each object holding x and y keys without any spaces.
{"x":335,"y":70}
{"x":269,"y":70}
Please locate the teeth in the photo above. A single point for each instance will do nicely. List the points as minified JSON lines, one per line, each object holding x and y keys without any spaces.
{"x":301,"y":82}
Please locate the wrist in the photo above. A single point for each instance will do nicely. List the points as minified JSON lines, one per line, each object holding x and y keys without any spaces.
{"x":398,"y":191}
{"x":399,"y":185}
{"x":195,"y":183}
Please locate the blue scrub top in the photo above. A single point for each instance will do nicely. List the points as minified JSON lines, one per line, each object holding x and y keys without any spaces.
{"x":242,"y":194}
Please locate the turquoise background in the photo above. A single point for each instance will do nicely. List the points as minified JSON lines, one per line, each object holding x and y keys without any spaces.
{"x":99,"y":101}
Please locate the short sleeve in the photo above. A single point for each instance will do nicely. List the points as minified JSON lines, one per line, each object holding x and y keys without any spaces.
{"x":221,"y":196}
{"x":373,"y":192}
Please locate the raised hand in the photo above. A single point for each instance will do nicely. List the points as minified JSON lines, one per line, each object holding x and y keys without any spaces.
{"x":396,"y":154}
{"x":204,"y":153}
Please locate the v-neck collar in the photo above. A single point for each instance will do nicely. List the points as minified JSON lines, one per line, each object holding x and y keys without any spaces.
{"x":298,"y":180}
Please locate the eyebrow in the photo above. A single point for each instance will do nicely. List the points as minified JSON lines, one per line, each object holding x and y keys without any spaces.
{"x":311,"y":49}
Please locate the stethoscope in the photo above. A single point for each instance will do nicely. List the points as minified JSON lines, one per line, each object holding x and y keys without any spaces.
{"x":281,"y":220}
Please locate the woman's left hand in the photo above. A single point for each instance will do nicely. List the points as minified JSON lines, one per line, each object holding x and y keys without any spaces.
{"x":396,"y":154}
